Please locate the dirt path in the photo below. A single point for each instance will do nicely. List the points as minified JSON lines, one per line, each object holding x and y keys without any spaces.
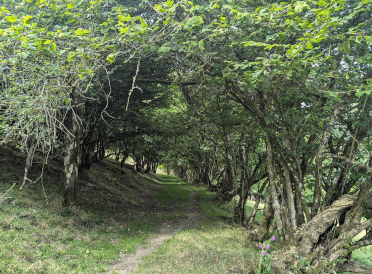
{"x":128,"y":263}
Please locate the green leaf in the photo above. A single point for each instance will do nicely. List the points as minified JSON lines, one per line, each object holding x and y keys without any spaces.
{"x":127,"y":18}
{"x":79,"y":32}
{"x":71,"y":6}
{"x":124,"y":30}
{"x":361,"y":93}
{"x":166,"y":21}
{"x":47,"y":42}
{"x":309,"y":45}
{"x":164,"y":49}
{"x":111,"y":57}
{"x":169,"y":3}
{"x":359,"y":39}
{"x":369,"y":39}
{"x":201,"y":44}
{"x":318,"y":40}
{"x":11,"y":19}
{"x":322,"y":3}
{"x":26,"y":20}
{"x":53,"y":47}
{"x":300,"y":6}
{"x":320,"y":124}
{"x":4,"y":9}
{"x":70,"y":56}
{"x":366,"y":1}
{"x":347,"y":46}
{"x":61,"y":52}
{"x":24,"y":55}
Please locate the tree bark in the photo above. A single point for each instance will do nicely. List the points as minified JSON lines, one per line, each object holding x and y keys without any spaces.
{"x":72,"y":150}
{"x":321,"y":240}
{"x":274,"y":195}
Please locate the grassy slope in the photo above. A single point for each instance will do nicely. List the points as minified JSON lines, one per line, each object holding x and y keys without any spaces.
{"x":116,"y":209}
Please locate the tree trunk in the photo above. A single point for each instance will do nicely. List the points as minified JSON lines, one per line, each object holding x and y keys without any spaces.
{"x":125,"y":156}
{"x":29,"y":160}
{"x":325,"y":238}
{"x":274,"y":195}
{"x":153,"y":168}
{"x":72,"y":151}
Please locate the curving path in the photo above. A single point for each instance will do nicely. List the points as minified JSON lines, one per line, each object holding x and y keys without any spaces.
{"x":128,"y":263}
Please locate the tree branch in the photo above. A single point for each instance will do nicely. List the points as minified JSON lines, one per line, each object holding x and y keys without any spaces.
{"x":365,"y":167}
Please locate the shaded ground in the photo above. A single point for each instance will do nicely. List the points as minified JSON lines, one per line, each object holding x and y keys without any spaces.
{"x":117,"y":195}
{"x":128,"y":263}
{"x":116,"y":209}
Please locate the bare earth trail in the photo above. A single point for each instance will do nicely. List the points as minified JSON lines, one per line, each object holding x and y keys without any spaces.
{"x":128,"y":263}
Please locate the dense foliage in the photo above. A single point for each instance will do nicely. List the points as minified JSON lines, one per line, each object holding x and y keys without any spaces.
{"x":262,"y":97}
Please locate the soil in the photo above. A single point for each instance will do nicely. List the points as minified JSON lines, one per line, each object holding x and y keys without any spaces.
{"x":129,"y":263}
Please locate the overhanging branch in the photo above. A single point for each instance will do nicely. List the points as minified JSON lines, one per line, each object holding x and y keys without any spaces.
{"x":362,"y":166}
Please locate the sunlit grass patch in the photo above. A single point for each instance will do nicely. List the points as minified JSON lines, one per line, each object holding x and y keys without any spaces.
{"x":172,"y":194}
{"x":164,"y":176}
{"x":169,"y":179}
{"x":209,"y":206}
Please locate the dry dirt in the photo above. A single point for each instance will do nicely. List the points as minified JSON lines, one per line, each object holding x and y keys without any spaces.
{"x":128,"y":263}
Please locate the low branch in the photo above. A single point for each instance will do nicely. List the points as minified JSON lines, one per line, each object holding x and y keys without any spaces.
{"x":355,"y":268}
{"x":360,"y":244}
{"x":365,"y":167}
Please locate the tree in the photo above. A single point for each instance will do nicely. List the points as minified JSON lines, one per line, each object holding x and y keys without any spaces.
{"x":50,"y":61}
{"x":302,"y":72}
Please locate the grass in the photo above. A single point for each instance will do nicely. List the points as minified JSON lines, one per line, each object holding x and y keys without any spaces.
{"x":43,"y":238}
{"x":170,"y":179}
{"x":172,"y":194}
{"x":214,"y":246}
{"x":39,"y":235}
{"x":36,"y":239}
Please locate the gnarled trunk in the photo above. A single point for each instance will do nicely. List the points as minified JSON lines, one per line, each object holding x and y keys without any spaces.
{"x":324,"y":239}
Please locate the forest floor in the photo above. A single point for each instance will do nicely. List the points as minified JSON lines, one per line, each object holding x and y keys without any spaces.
{"x":122,"y":222}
